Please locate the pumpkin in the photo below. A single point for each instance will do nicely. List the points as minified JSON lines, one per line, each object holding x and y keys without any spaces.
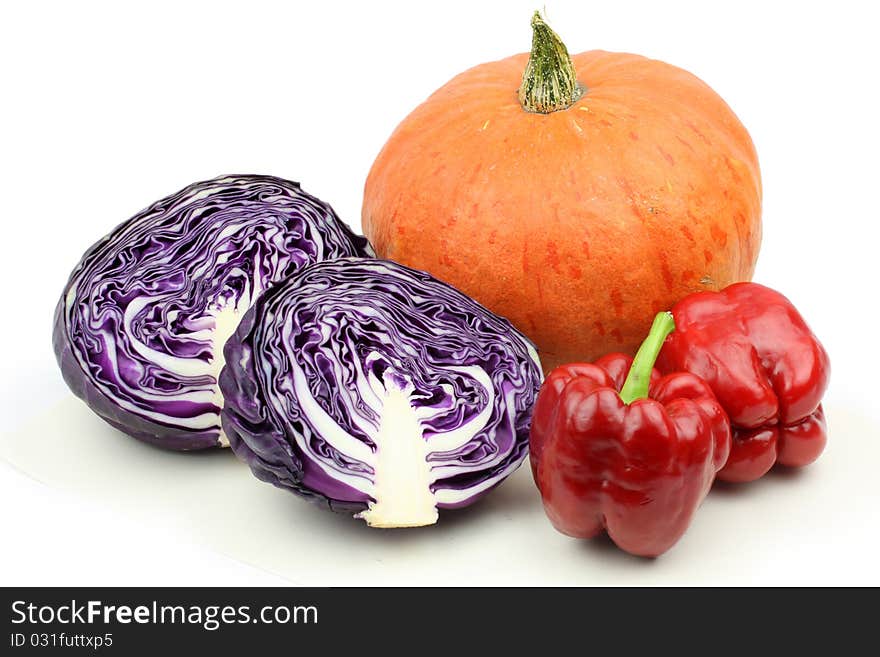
{"x":577,"y":196}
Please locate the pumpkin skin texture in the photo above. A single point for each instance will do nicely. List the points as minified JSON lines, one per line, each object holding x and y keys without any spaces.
{"x":581,"y":224}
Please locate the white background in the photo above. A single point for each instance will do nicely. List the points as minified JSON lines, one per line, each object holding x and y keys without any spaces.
{"x":105,"y":107}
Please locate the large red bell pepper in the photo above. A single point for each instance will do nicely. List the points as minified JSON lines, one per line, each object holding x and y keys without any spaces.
{"x":764,"y":365}
{"x":635,"y":463}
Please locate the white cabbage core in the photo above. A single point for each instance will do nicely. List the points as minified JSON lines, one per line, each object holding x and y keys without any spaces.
{"x":402,"y":479}
{"x":226,"y":320}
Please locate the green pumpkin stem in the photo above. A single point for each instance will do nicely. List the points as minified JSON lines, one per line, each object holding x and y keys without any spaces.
{"x":549,"y":82}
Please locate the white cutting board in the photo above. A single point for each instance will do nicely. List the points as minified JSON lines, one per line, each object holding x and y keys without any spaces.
{"x":814,"y":526}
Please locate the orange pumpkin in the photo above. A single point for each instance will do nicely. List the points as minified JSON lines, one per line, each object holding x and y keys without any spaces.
{"x":611,"y":186}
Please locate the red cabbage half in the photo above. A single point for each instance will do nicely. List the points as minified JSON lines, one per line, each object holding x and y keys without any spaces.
{"x":140,"y":326}
{"x":378,"y":390}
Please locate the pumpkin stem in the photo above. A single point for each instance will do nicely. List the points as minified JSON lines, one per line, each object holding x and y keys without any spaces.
{"x":549,"y":83}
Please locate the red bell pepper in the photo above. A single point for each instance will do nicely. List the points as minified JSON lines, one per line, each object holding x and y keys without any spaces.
{"x":635,"y":463}
{"x":766,"y":368}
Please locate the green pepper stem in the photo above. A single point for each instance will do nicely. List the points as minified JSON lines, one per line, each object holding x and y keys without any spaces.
{"x":639,"y":377}
{"x":549,"y":82}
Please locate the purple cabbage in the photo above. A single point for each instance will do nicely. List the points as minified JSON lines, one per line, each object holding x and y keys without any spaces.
{"x":375,"y":389}
{"x":140,"y":326}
